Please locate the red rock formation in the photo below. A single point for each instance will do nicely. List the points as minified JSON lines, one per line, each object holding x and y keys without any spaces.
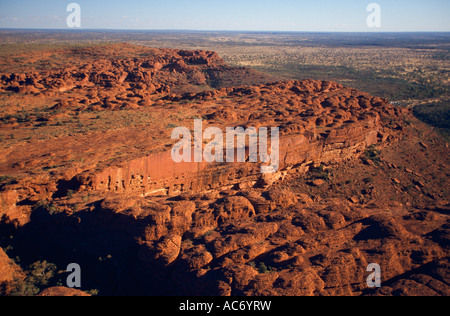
{"x":62,"y":291}
{"x":136,"y":79}
{"x":224,"y":228}
{"x":326,"y":133}
{"x":9,"y":273}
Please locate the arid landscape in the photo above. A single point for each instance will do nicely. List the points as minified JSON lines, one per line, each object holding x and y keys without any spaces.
{"x":87,"y":177}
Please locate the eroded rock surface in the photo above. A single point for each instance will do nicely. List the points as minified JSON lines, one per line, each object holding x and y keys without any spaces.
{"x":355,"y":184}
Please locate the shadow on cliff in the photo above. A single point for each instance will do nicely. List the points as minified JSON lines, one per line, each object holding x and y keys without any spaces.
{"x":105,"y":248}
{"x":64,"y":186}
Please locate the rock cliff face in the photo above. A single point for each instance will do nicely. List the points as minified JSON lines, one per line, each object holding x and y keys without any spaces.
{"x":9,"y":273}
{"x":355,"y":184}
{"x":335,"y":124}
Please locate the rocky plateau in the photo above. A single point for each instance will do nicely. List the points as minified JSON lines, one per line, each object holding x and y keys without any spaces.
{"x":360,"y":181}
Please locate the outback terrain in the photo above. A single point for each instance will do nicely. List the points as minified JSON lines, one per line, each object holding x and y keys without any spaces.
{"x":87,"y":177}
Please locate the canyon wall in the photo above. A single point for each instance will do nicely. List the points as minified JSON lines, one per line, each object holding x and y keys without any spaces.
{"x":159,"y":174}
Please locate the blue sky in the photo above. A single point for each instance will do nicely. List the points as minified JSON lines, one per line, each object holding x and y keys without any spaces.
{"x":253,"y":15}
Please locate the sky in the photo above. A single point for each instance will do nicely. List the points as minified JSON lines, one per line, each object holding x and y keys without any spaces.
{"x":242,"y":15}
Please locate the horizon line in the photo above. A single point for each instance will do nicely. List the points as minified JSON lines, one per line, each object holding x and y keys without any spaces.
{"x":198,"y":30}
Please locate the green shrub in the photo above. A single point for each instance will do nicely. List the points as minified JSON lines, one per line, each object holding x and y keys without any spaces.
{"x":263,"y":269}
{"x":50,"y":208}
{"x":37,"y":277}
{"x":319,"y":172}
{"x":70,"y":193}
{"x":435,"y":114}
{"x":373,"y":154}
{"x":22,"y":288}
{"x":41,"y":272}
{"x":93,"y":292}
